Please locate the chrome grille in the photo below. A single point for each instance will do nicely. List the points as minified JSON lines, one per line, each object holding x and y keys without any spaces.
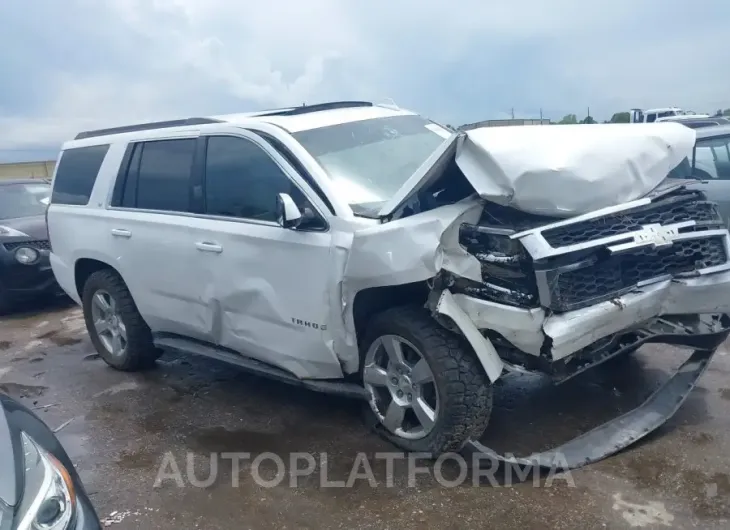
{"x":683,"y":205}
{"x":607,"y":278}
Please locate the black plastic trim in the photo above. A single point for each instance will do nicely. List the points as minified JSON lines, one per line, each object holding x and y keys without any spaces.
{"x":145,"y":127}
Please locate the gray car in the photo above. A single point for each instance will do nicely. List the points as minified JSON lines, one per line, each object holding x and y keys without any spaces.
{"x":711,"y":165}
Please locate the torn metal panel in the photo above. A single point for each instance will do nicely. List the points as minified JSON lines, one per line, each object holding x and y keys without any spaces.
{"x":482,"y":346}
{"x":412,"y":249}
{"x":530,"y":168}
{"x":522,"y":327}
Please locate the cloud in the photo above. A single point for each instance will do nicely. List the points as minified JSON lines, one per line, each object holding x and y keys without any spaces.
{"x":81,"y":64}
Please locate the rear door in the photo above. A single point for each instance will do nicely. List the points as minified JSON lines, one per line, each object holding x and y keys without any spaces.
{"x":150,"y":230}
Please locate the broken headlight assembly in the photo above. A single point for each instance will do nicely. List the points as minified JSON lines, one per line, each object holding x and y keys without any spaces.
{"x":507,"y":269}
{"x":49,"y":499}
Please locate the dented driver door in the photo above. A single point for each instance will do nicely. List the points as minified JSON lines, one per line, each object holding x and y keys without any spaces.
{"x":267,"y":296}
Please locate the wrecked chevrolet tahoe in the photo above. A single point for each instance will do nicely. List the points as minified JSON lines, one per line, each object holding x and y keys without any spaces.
{"x":363,"y":250}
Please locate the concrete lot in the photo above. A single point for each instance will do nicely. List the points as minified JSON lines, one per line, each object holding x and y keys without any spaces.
{"x":124,"y":427}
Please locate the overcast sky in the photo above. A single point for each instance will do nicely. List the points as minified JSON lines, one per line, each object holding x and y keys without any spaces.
{"x":69,"y":65}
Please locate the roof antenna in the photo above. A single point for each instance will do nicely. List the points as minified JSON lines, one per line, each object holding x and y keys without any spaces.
{"x":390,"y":103}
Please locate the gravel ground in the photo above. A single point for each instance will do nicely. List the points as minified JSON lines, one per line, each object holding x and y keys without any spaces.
{"x":157,"y":449}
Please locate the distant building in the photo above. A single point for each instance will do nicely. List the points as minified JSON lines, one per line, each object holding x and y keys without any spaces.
{"x":40,"y":169}
{"x":503,"y":123}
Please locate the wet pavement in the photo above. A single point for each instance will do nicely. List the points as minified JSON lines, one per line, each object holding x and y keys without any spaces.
{"x":145,"y":444}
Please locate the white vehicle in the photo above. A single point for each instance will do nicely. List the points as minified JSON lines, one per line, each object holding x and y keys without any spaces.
{"x":662,"y":114}
{"x":365,"y":250}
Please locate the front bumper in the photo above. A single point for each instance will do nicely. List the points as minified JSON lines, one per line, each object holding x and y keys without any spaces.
{"x":572,"y":331}
{"x":19,"y":281}
{"x":560,"y":335}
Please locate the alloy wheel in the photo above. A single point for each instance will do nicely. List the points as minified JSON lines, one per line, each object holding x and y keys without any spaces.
{"x":401,"y":387}
{"x":108,"y":323}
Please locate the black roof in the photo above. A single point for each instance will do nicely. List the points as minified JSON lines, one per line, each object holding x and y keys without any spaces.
{"x":289,"y":111}
{"x":4,"y":182}
{"x":144,"y":127}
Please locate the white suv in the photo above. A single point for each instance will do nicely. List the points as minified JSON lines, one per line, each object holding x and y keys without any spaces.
{"x":364,"y":250}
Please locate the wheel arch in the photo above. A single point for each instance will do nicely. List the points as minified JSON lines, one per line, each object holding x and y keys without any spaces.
{"x":85,"y":267}
{"x":371,"y":301}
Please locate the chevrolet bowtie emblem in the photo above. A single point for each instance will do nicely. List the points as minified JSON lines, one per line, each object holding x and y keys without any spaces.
{"x":656,"y":235}
{"x":652,"y":235}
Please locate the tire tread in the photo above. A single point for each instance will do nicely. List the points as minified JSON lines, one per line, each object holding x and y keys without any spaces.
{"x":465,"y":391}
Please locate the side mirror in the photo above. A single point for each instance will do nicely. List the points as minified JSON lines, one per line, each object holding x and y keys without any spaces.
{"x":287,"y":212}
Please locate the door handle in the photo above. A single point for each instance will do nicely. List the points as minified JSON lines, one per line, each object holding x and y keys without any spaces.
{"x":207,"y":246}
{"x":120,"y":232}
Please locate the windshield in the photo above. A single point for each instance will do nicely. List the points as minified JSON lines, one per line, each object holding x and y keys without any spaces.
{"x":712,"y":158}
{"x":23,"y":200}
{"x":369,"y":160}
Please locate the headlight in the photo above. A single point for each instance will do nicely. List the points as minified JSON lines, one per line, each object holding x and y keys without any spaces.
{"x":26,"y":255}
{"x":7,"y":231}
{"x":49,"y":500}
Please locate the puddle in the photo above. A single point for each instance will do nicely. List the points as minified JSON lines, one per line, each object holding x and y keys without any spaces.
{"x":5,"y":344}
{"x":708,"y":493}
{"x":221,"y":440}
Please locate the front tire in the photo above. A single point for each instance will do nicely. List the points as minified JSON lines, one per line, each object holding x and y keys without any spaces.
{"x":117,"y":330}
{"x":428,"y":391}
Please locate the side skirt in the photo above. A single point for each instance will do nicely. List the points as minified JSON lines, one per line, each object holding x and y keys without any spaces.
{"x":184,"y":345}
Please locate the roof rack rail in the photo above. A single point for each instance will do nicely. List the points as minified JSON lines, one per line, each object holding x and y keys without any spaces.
{"x":317,"y":107}
{"x":145,"y":127}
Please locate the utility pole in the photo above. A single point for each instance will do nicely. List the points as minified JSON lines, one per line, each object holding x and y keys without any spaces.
{"x":512,"y":111}
{"x":541,"y":116}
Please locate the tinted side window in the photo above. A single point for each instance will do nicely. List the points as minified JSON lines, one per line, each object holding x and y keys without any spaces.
{"x":650,"y":118}
{"x":76,"y":174}
{"x":163,"y":181}
{"x":241,"y":180}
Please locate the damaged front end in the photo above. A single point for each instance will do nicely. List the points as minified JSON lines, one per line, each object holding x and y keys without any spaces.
{"x":553,"y":248}
{"x":571,"y":254}
{"x":563,"y":296}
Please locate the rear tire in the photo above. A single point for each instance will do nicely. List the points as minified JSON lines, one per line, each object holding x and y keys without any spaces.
{"x":117,"y":330}
{"x":456,"y":394}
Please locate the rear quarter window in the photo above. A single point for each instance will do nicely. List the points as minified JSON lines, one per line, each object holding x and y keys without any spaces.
{"x":76,"y":174}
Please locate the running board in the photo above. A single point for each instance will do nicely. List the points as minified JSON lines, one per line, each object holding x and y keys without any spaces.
{"x":183,"y":345}
{"x":614,"y":435}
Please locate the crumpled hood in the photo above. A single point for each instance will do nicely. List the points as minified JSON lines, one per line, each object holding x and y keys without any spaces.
{"x":559,"y":170}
